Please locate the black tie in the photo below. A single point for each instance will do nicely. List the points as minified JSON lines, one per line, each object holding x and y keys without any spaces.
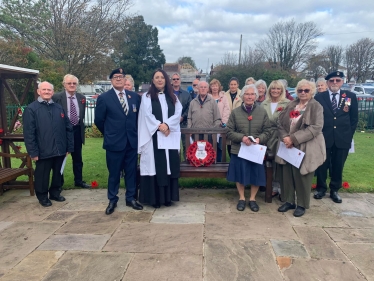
{"x":334,"y":103}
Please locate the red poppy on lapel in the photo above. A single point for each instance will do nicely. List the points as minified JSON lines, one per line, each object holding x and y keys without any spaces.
{"x":62,"y":115}
{"x":344,"y":95}
{"x":83,"y":101}
{"x":250,"y":117}
{"x":280,"y":108}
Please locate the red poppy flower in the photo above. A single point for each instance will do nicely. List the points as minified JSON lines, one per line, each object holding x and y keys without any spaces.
{"x":1,"y":131}
{"x":294,"y":114}
{"x":62,"y":115}
{"x":344,"y":95}
{"x":314,"y":186}
{"x":280,"y":108}
{"x":94,"y":184}
{"x":83,"y":101}
{"x":250,"y":117}
{"x":345,"y":185}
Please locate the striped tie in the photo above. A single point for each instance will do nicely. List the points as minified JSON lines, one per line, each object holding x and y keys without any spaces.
{"x":73,"y":112}
{"x":123,"y":103}
{"x":334,"y":103}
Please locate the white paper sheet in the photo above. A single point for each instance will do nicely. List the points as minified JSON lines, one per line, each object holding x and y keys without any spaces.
{"x":254,"y":152}
{"x":292,"y":155}
{"x":63,"y":165}
{"x":172,"y":141}
{"x":352,"y":149}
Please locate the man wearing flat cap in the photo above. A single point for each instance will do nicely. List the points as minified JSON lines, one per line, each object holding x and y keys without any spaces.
{"x":116,"y":116}
{"x":340,"y":110}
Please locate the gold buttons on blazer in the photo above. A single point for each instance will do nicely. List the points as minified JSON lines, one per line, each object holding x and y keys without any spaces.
{"x":334,"y":127}
{"x":334,"y":117}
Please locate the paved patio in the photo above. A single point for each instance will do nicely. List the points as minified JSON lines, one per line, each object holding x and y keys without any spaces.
{"x":202,"y":237}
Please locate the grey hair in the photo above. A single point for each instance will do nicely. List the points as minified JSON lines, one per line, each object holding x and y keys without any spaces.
{"x":246,"y":87}
{"x":45,"y":82}
{"x":198,"y":84}
{"x":321,"y":80}
{"x":176,"y":73}
{"x":261,"y":82}
{"x":284,"y":82}
{"x":67,"y":76}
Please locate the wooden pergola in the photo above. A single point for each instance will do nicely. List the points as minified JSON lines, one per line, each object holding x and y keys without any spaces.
{"x":7,"y":136}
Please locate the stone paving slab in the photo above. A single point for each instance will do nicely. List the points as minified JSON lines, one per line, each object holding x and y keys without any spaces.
{"x":289,"y":248}
{"x":317,"y":216}
{"x":88,"y":206}
{"x":62,"y":216}
{"x":180,"y":213}
{"x":358,"y":222}
{"x":155,"y":238}
{"x":94,"y":266}
{"x":87,"y":195}
{"x":160,"y":267}
{"x":21,"y":238}
{"x":137,"y":217}
{"x":33,"y":267}
{"x":354,"y":207}
{"x":351,"y":235}
{"x":221,"y":207}
{"x":362,"y":255}
{"x":241,"y":225}
{"x":27,"y":210}
{"x":318,"y":243}
{"x":240,"y":260}
{"x":14,"y":193}
{"x":321,"y":270}
{"x":75,"y":242}
{"x":5,"y":224}
{"x":92,"y":223}
{"x":207,"y":195}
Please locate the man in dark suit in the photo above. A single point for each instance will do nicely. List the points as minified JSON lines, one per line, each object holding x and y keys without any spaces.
{"x":340,"y":110}
{"x":74,"y":105}
{"x":116,"y":117}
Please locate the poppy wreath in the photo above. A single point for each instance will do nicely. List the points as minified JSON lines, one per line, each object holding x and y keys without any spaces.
{"x":196,"y":162}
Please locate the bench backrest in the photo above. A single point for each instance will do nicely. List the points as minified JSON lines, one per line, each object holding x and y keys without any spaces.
{"x":205,"y":133}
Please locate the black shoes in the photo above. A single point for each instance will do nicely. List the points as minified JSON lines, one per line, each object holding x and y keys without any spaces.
{"x":299,"y":211}
{"x":241,"y":205}
{"x":335,"y":197}
{"x":319,"y":195}
{"x":156,"y":206}
{"x":168,"y":204}
{"x":58,"y":199}
{"x":286,"y":206}
{"x":110,"y":208}
{"x":253,"y":206}
{"x":45,"y":202}
{"x":82,"y":184}
{"x":135,"y":205}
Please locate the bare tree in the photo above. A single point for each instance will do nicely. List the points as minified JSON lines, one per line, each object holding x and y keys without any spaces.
{"x":314,"y":67}
{"x":359,"y":58}
{"x":229,"y":59}
{"x":251,"y":57}
{"x":77,"y":32}
{"x":289,"y":44}
{"x":333,"y":57}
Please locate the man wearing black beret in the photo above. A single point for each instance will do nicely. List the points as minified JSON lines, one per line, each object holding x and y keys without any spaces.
{"x":340,"y":110}
{"x":116,"y":116}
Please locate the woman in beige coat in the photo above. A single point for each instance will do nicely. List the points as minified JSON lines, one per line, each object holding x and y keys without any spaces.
{"x":275,"y":102}
{"x":300,"y":126}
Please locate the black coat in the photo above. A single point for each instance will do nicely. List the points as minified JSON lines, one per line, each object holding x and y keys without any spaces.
{"x":47,"y":130}
{"x":339,"y":128}
{"x":60,"y":98}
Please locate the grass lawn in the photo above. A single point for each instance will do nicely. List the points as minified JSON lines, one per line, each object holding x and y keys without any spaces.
{"x":358,"y":170}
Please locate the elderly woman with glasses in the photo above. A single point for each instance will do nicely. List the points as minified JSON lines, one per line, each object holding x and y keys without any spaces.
{"x":249,"y":119}
{"x":300,"y":126}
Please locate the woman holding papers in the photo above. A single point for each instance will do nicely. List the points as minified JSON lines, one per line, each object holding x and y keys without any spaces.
{"x":247,"y":125}
{"x":159,"y":113}
{"x":300,"y":126}
{"x":275,"y":102}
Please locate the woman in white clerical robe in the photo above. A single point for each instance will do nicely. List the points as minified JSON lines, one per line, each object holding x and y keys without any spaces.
{"x":160,"y":111}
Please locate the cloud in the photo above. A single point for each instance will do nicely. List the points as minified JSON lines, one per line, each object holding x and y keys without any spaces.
{"x":206,"y":30}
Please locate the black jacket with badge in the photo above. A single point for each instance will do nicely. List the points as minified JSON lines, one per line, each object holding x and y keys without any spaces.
{"x":47,"y":130}
{"x":339,"y":128}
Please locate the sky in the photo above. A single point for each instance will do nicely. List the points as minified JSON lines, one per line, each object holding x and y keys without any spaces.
{"x":205,"y":29}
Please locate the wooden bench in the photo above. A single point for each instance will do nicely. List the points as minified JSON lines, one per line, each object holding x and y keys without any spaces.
{"x":218,"y":169}
{"x":9,"y":175}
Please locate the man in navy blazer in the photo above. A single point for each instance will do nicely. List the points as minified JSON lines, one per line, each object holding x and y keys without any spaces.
{"x":340,"y":111}
{"x":116,"y":116}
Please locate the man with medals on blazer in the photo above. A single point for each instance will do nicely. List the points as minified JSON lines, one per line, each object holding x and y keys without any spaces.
{"x":116,"y":117}
{"x":74,"y":105}
{"x":340,"y":110}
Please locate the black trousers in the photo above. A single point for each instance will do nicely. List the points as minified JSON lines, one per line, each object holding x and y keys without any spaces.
{"x":42,"y":172}
{"x":335,"y":156}
{"x":77,"y":155}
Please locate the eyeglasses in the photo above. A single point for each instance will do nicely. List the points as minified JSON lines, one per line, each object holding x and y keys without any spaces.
{"x":175,"y":79}
{"x":71,"y":83}
{"x":335,"y":80}
{"x":118,"y":77}
{"x":299,"y":91}
{"x":194,"y":85}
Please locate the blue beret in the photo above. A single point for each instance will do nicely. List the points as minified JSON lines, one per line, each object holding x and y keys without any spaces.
{"x":335,"y":74}
{"x":115,"y":71}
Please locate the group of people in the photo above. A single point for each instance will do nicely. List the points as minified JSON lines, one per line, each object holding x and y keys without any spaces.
{"x":322,"y":126}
